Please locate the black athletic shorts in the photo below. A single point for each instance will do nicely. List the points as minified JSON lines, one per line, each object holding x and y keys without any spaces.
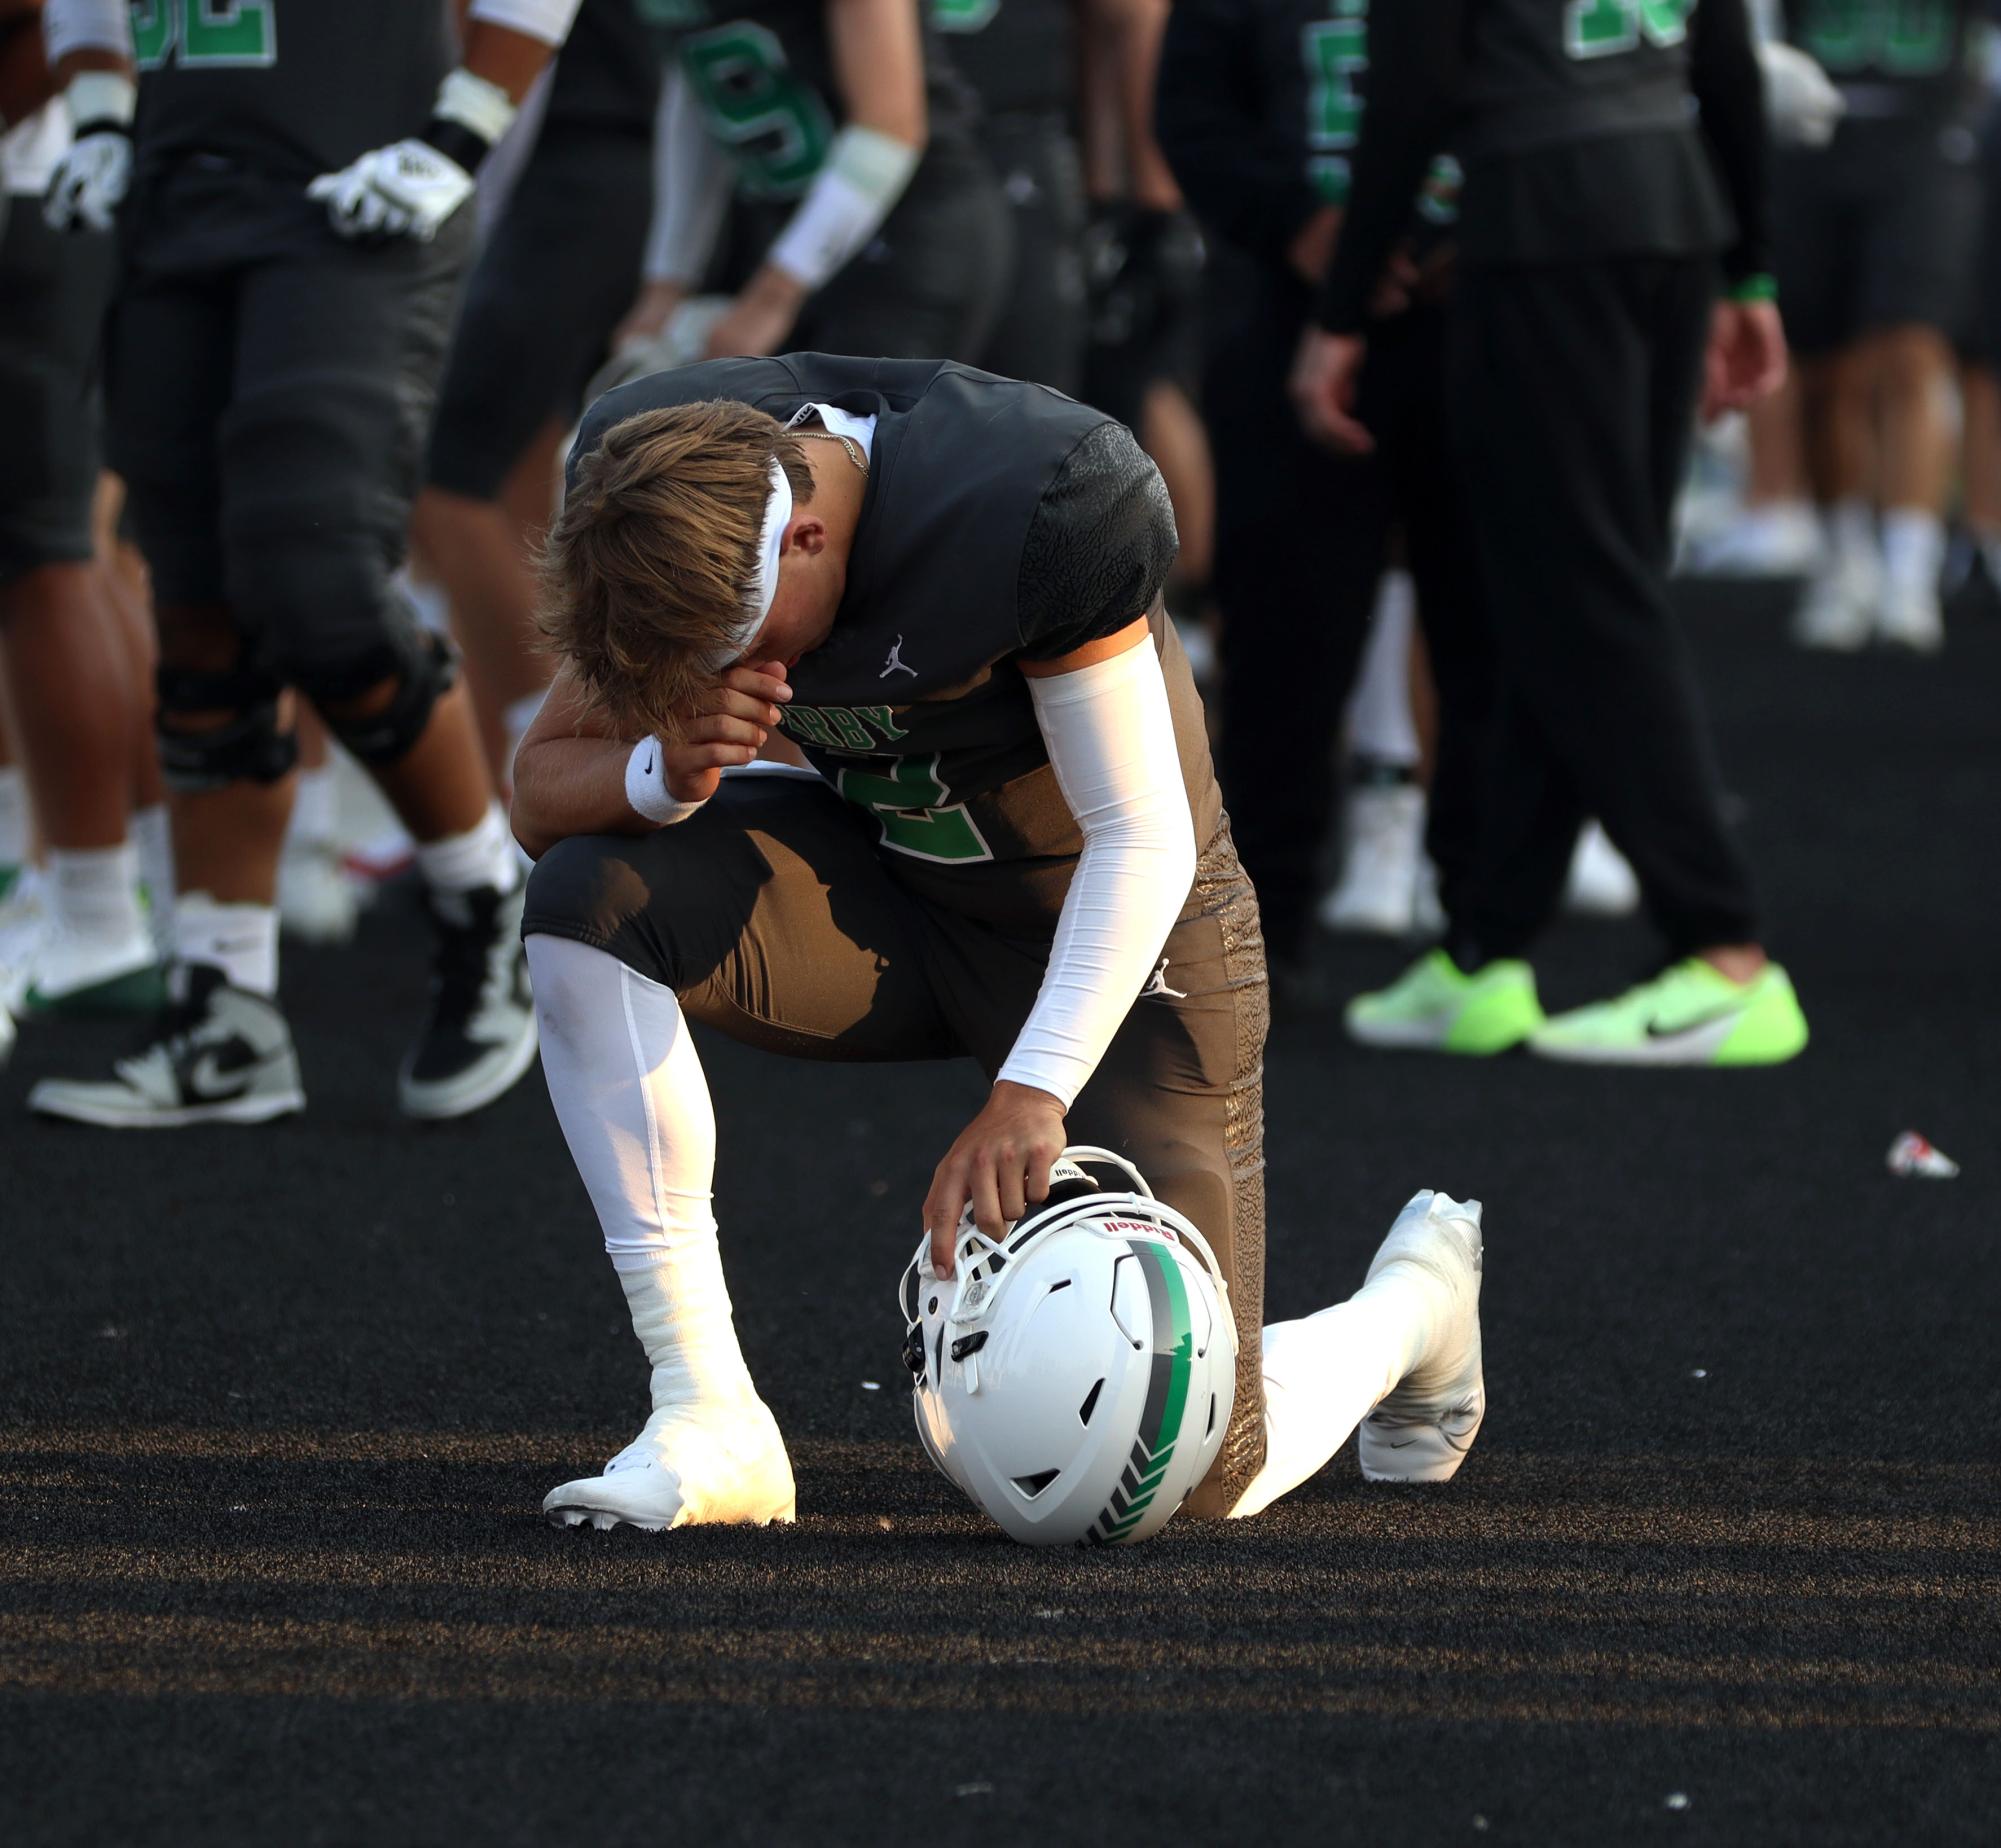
{"x":1980,"y":328}
{"x":559,"y":271}
{"x":53,"y":291}
{"x":267,"y":380}
{"x":1877,"y":230}
{"x":1042,"y":326}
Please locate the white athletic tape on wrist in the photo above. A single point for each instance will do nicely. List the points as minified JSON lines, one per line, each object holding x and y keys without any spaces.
{"x":865,"y":175}
{"x":771,"y":541}
{"x":85,"y":25}
{"x":646,"y":786}
{"x":97,"y":97}
{"x":474,"y":103}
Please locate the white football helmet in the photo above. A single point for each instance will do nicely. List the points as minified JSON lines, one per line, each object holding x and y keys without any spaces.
{"x":1075,"y":1378}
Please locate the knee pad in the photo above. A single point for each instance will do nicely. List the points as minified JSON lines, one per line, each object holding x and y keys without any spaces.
{"x":247,"y":747}
{"x":423,"y":667}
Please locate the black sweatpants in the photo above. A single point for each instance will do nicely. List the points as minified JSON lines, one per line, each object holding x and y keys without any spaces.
{"x":1573,"y":389}
{"x":1302,"y":538}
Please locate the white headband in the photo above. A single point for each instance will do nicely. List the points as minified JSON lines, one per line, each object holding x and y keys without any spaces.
{"x":777,"y":516}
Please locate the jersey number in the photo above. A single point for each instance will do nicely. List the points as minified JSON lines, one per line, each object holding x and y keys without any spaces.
{"x":1599,"y":28}
{"x":1910,"y":37}
{"x":215,"y":34}
{"x":915,"y":810}
{"x":778,"y":129}
{"x":1336,"y":52}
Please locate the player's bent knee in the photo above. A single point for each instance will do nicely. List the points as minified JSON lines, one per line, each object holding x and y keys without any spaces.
{"x":591,"y":889}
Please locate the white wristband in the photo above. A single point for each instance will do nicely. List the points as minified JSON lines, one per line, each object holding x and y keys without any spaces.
{"x":865,"y":175}
{"x":646,"y":786}
{"x":96,"y":97}
{"x":476,"y":104}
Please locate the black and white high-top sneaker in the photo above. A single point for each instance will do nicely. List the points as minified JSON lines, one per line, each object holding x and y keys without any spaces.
{"x":479,"y":1036}
{"x":216,"y":1055}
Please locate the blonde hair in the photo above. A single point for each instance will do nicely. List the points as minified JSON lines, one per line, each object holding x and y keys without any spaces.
{"x":651,"y":565}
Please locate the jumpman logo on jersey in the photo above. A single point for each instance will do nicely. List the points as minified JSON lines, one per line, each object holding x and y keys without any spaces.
{"x":1156,"y":988}
{"x":894,"y":664}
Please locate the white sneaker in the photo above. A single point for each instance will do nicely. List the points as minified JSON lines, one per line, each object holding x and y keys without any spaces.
{"x":1761,"y":542}
{"x":1377,"y":894}
{"x":72,"y":974}
{"x":1910,"y":619}
{"x":1839,"y":608}
{"x":1601,"y":883}
{"x":318,"y":902}
{"x":1423,"y":1427}
{"x":690,"y":1466}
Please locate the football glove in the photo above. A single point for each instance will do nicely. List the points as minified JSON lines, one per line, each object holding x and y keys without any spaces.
{"x":91,"y":179}
{"x":407,"y":189}
{"x":1804,"y":106}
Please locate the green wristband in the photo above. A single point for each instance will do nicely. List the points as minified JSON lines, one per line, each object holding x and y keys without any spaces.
{"x":1759,"y":288}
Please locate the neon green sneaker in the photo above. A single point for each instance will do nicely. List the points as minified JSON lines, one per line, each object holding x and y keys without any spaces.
{"x":1692,"y":1014}
{"x":1434,"y":1006}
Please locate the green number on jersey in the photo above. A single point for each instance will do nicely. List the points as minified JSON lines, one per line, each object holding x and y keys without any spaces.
{"x":963,"y":15}
{"x":1599,"y":28}
{"x":739,"y":74}
{"x":916,"y":810}
{"x":211,"y":34}
{"x":1336,"y":53}
{"x":1909,"y":37}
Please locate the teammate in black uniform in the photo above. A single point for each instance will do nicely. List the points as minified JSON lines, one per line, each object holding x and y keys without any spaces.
{"x":1575,"y":365}
{"x":292,"y":246}
{"x":1877,"y":236}
{"x":1259,"y":102}
{"x":848,"y":138}
{"x":945,"y":587}
{"x":1022,"y":58}
{"x":550,"y":285}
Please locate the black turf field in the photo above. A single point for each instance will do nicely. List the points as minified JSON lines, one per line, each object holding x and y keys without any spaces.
{"x":277,"y":1408}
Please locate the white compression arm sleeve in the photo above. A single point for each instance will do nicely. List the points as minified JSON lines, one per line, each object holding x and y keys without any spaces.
{"x":86,"y":25}
{"x":691,"y":187}
{"x":1111,"y":743}
{"x":547,"y":20}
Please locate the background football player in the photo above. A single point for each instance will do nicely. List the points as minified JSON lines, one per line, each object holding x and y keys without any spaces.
{"x":944,"y":587}
{"x":291,"y":250}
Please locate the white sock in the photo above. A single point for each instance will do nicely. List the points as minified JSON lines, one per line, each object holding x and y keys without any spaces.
{"x":1913,"y":550}
{"x":315,"y":809}
{"x":482,"y":856}
{"x":1380,"y":726}
{"x":240,"y":940}
{"x":634,"y":1107}
{"x":155,"y":841}
{"x":16,"y":817}
{"x":94,"y":892}
{"x":1324,"y":1375}
{"x":1851,"y":536}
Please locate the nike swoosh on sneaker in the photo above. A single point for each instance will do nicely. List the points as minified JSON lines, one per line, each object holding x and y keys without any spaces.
{"x":215,"y":1082}
{"x":1692,"y":1032}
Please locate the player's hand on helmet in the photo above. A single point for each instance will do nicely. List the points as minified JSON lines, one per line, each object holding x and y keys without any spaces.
{"x":1000,"y":1163}
{"x":407,"y":189}
{"x":1746,"y":359}
{"x":737,"y":714}
{"x":1325,"y":372}
{"x":760,"y":318}
{"x":91,"y":180}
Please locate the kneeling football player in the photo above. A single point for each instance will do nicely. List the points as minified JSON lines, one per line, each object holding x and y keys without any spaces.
{"x":944,"y":587}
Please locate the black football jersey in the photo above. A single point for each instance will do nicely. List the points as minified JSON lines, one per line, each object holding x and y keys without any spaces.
{"x":607,"y":75}
{"x":1020,"y":56}
{"x":285,"y":87}
{"x":1002,"y":521}
{"x":1909,"y":53}
{"x":762,"y":71}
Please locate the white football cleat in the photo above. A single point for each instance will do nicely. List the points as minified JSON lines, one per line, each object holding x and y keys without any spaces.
{"x":1910,"y":619}
{"x":1421,"y":1430}
{"x":1601,"y":882}
{"x":690,"y":1466}
{"x":1377,"y":895}
{"x":1838,"y":610}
